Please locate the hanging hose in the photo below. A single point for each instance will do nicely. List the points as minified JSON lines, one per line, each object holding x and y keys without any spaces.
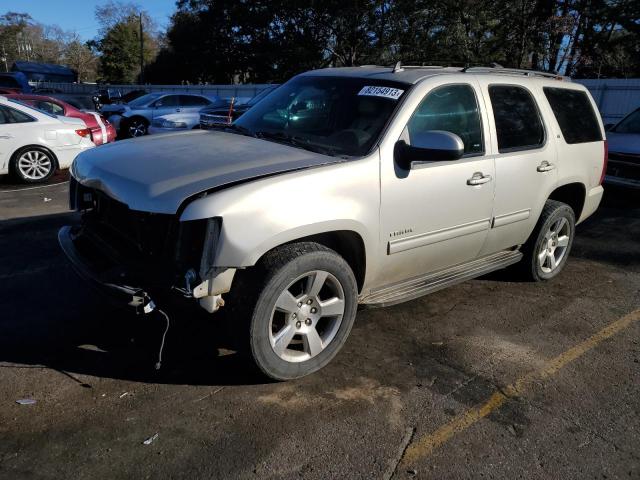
{"x":159,"y":363}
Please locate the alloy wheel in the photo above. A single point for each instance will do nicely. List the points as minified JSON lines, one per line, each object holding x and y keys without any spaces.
{"x":306,"y":316}
{"x":137,"y":129}
{"x":554,"y":245}
{"x":34,"y":165}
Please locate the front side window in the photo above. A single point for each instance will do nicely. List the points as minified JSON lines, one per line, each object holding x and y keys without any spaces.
{"x":517,"y":118}
{"x":630,"y":124}
{"x":452,"y":108}
{"x":341,"y":116}
{"x":575,"y":115}
{"x":11,"y":115}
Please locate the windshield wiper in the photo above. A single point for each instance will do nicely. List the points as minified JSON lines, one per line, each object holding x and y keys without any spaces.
{"x":235,"y":128}
{"x":297,"y":142}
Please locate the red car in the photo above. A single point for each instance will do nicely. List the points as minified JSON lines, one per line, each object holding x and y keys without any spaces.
{"x":101,"y":130}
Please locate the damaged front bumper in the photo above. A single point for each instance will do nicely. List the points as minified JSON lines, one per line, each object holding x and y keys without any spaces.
{"x":133,"y":286}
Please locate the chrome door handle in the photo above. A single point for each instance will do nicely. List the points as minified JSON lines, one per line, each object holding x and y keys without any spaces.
{"x":545,"y":166}
{"x":478,"y":179}
{"x":7,"y":136}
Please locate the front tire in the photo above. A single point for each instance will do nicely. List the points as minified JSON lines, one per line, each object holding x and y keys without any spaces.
{"x":547,"y":250}
{"x":137,"y":127}
{"x":33,"y":165}
{"x":294,"y":310}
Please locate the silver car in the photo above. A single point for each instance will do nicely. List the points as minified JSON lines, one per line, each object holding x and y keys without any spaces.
{"x":346,"y":186}
{"x":134,"y":118}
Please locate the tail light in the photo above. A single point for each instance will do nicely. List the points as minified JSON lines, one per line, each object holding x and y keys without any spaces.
{"x":606,"y":160}
{"x":84,"y":132}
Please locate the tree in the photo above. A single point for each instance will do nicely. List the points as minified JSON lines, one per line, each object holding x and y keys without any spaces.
{"x":119,"y":45}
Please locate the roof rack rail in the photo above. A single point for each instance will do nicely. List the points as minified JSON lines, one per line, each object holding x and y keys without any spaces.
{"x":514,"y":71}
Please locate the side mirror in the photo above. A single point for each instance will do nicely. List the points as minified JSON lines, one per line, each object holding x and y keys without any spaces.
{"x":430,"y":146}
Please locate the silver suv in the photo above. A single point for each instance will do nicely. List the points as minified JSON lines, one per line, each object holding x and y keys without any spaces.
{"x":344,"y":186}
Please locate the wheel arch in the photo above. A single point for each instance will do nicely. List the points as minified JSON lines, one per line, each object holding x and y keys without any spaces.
{"x":15,"y":154}
{"x":573,"y":194}
{"x":346,"y":243}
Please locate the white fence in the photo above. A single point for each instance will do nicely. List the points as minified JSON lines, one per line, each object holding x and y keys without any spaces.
{"x":615,"y":97}
{"x":223,"y":91}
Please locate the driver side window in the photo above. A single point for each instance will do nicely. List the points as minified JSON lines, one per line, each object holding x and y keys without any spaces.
{"x":452,"y":108}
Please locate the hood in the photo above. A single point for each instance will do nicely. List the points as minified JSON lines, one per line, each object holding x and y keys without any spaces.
{"x":628,"y":143}
{"x":158,"y":173}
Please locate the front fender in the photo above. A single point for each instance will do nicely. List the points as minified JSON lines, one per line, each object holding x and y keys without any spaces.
{"x":260,"y":215}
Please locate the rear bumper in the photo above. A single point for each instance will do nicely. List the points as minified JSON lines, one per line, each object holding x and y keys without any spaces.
{"x":591,"y":203}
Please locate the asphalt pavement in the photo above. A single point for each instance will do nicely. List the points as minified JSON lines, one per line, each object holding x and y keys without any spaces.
{"x":492,"y":378}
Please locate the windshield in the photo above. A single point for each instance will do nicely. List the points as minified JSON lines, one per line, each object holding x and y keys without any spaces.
{"x":631,"y":124}
{"x":144,"y":100}
{"x":260,"y":96}
{"x":332,"y":115}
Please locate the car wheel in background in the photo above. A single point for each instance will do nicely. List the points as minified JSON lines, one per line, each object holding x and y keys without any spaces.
{"x":295,"y":309}
{"x":547,"y":250}
{"x":33,"y":164}
{"x":137,"y":127}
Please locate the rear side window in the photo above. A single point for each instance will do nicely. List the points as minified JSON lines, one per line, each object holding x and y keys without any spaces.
{"x":193,"y":101}
{"x":10,"y":115}
{"x":575,"y":115}
{"x":517,"y":118}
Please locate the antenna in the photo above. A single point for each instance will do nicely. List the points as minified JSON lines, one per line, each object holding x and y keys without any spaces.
{"x":398,"y":68}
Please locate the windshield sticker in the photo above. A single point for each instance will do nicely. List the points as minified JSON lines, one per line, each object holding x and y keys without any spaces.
{"x":385,"y":92}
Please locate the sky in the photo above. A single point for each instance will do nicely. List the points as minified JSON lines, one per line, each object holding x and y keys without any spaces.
{"x":78,"y":15}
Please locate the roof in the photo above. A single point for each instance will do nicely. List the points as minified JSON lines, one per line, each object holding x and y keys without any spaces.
{"x":411,"y":75}
{"x":34,"y":67}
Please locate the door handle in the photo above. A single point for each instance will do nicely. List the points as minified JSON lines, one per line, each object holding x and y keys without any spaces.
{"x":545,"y":166}
{"x":177,"y":109}
{"x":478,"y":179}
{"x":7,"y":136}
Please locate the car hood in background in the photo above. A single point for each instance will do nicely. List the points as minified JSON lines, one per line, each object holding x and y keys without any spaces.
{"x":628,"y":143}
{"x":158,"y":173}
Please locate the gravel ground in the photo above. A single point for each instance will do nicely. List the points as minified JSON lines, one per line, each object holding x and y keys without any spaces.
{"x":490,"y":378}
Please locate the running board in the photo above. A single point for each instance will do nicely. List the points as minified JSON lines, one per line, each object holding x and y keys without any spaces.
{"x":423,"y":285}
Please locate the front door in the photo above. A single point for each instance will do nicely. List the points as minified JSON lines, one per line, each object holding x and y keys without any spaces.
{"x":166,"y":105}
{"x":437,"y":214}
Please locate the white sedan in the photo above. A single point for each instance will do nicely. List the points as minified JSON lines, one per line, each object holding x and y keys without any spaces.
{"x":175,"y":122}
{"x":33,"y":143}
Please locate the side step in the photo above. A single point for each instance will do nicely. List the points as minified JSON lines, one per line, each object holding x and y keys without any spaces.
{"x":432,"y":282}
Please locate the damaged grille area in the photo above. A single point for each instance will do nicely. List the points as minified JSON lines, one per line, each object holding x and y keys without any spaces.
{"x":155,"y":249}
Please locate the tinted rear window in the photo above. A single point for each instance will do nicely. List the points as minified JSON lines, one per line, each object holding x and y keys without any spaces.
{"x":518,"y":122}
{"x":575,"y":115}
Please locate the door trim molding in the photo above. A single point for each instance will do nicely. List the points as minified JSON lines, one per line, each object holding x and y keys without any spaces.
{"x":428,"y":238}
{"x":513,"y":217}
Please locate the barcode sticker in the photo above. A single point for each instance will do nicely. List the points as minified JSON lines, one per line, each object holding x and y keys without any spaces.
{"x":385,"y":92}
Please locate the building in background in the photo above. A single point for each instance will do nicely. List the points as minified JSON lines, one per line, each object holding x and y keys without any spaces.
{"x":45,"y":72}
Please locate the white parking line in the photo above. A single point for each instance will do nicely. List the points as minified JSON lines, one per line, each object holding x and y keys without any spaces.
{"x":33,"y":188}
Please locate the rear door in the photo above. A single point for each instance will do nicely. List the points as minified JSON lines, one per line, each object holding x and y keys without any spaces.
{"x":525,"y":160}
{"x":16,"y":130}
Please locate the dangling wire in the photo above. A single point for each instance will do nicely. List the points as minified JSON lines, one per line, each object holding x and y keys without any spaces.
{"x":159,"y":363}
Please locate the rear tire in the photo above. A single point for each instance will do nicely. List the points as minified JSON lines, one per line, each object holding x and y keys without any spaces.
{"x":33,"y":164}
{"x":293,"y":311}
{"x":548,"y":247}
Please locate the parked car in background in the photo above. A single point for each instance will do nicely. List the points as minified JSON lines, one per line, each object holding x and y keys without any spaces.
{"x":80,"y":101}
{"x":15,"y":81}
{"x":175,"y":122}
{"x":101,"y":130}
{"x":110,"y":96}
{"x":134,"y":118}
{"x":225,"y":114}
{"x":345,"y":186}
{"x":624,"y":151}
{"x":33,"y":144}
